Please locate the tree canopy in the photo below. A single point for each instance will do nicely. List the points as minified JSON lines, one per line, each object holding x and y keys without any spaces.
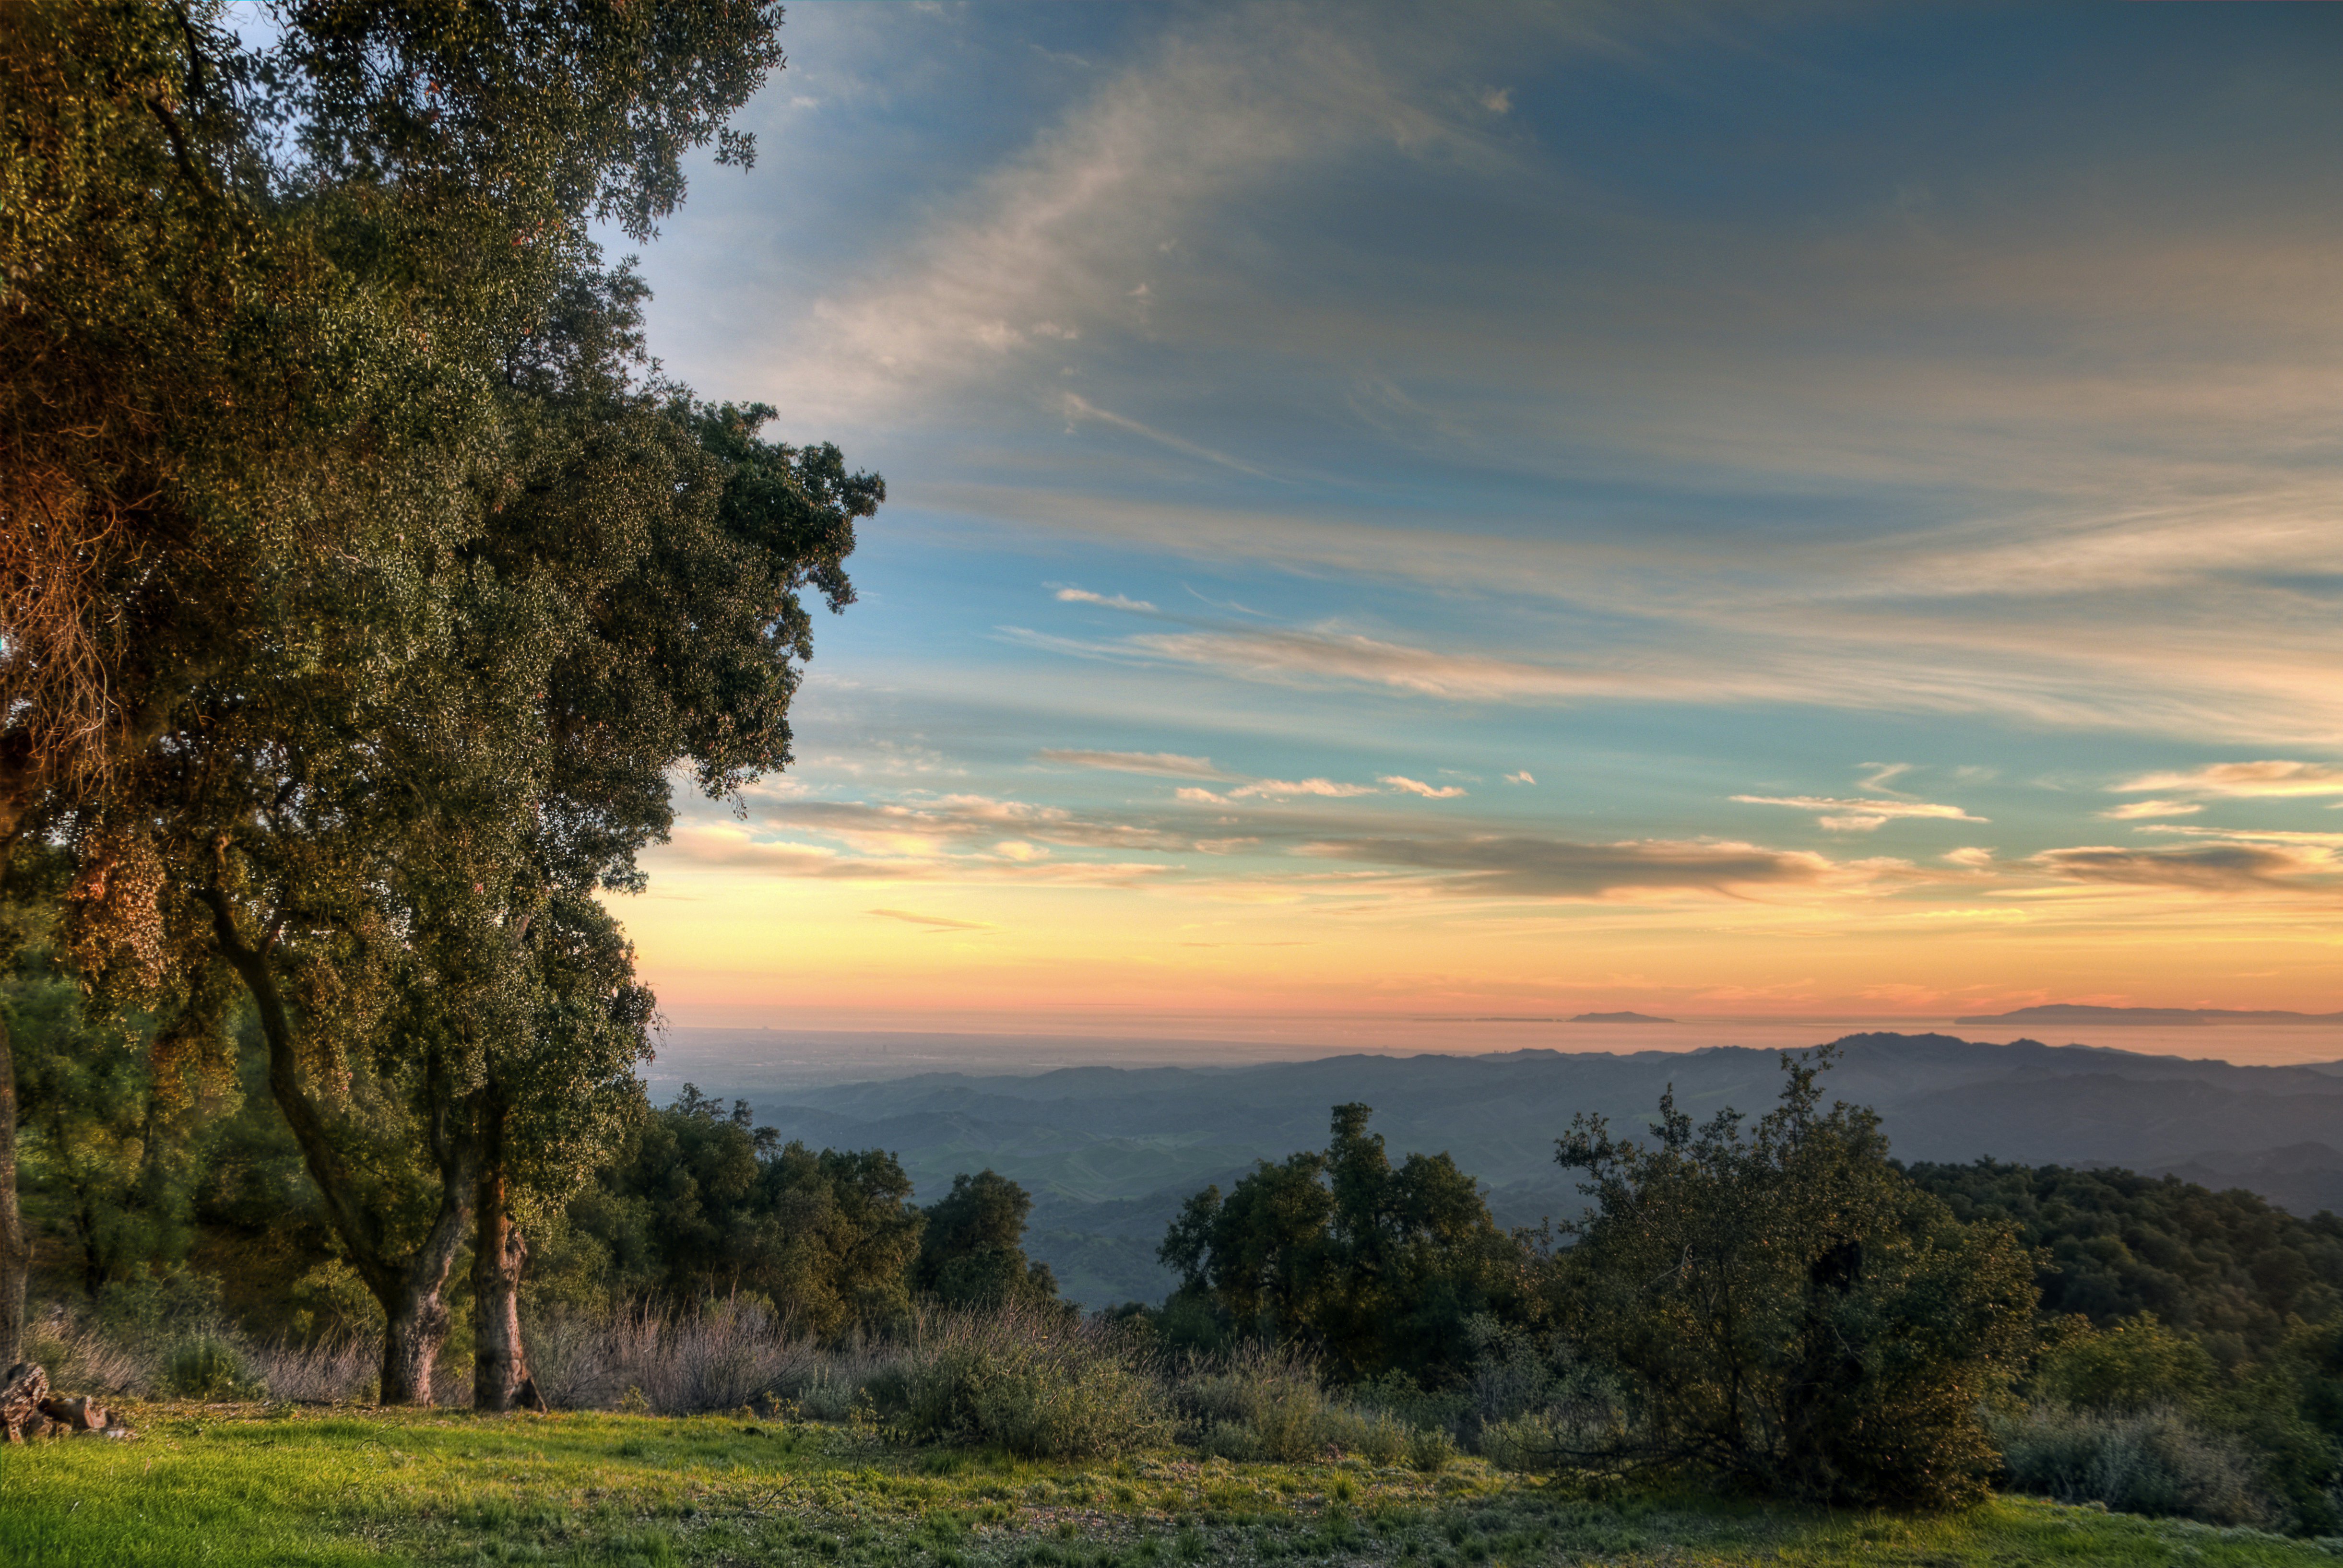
{"x":1786,"y":1309}
{"x":365,"y":585}
{"x":1380,"y":1267}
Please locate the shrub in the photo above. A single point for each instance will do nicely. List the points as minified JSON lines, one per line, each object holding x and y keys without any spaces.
{"x":1027,"y":1378}
{"x":1384,"y":1439}
{"x":2136,"y":1462}
{"x":1430,"y":1449}
{"x":1256,"y":1403}
{"x":1531,"y":1443}
{"x":209,"y":1366}
{"x":1785,"y":1311}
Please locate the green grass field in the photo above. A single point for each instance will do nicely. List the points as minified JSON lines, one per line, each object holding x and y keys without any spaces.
{"x":248,"y":1484}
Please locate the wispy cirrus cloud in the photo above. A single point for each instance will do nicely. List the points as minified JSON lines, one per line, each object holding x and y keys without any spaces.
{"x":2141,"y":810}
{"x":1859,"y":816}
{"x":1526,"y":866}
{"x":1062,"y":241}
{"x":1738,"y":621}
{"x":1107,"y":601}
{"x":2248,"y":780}
{"x":935,"y":923}
{"x":1160,"y":764}
{"x":724,"y":846}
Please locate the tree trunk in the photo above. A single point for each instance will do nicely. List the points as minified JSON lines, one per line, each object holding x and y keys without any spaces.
{"x":15,"y":1246}
{"x":499,"y":1360}
{"x":411,"y":1338}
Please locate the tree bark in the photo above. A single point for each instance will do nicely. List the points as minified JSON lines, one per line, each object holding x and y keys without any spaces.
{"x":416,"y":1320}
{"x":15,"y":1246}
{"x":499,"y":1360}
{"x":413,"y":1332}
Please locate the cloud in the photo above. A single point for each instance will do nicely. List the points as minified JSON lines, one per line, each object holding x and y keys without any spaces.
{"x":1859,"y":816}
{"x":909,"y":859}
{"x":1520,"y":778}
{"x":1879,"y":776}
{"x":1078,"y":410}
{"x":728,"y":845}
{"x":2312,"y":840}
{"x":2137,"y":810}
{"x":1161,"y":764}
{"x":2209,"y":868}
{"x":1713,"y":617}
{"x":933,"y":827}
{"x":1295,"y":657}
{"x":1111,"y":601}
{"x":1063,"y":238}
{"x":2243,"y":779}
{"x":1517,"y":864}
{"x":934,"y":922}
{"x":1970,"y":857}
{"x":1417,"y":787}
{"x":1286,"y":789}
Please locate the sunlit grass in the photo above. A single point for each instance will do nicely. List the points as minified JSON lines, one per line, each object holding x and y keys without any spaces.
{"x":220,"y":1485}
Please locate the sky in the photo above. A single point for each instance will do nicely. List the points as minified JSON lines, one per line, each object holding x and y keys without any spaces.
{"x":1411,"y":513}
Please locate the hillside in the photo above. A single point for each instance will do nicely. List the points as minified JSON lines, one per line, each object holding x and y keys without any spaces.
{"x":1110,"y":1153}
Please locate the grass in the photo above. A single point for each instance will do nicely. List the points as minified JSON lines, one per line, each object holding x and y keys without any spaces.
{"x":232,"y":1485}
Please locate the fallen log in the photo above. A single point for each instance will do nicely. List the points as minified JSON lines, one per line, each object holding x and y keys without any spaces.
{"x":79,"y":1414}
{"x":21,"y":1393}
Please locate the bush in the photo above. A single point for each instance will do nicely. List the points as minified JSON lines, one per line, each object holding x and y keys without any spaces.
{"x":209,"y":1366}
{"x":1785,"y":1311}
{"x":1256,"y":1402}
{"x":1430,"y":1449}
{"x":1030,"y":1379}
{"x":1531,"y":1443}
{"x":2136,"y":1462}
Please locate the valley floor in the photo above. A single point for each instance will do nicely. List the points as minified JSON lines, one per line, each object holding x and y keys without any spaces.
{"x":234,"y":1485}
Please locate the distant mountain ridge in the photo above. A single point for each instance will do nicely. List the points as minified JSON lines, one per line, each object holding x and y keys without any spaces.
{"x":1109,"y":1153}
{"x":2068,"y":1012}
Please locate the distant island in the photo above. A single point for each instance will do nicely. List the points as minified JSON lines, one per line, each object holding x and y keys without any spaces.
{"x":2075,"y":1012}
{"x":1619,"y":1018}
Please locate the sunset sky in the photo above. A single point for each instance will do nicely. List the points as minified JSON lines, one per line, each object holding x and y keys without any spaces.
{"x":1411,"y":511}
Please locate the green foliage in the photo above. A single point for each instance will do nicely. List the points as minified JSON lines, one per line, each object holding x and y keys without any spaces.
{"x":972,"y":1248}
{"x":208,"y":1367}
{"x":1786,"y":1310}
{"x":1376,"y":1266}
{"x":105,"y":1156}
{"x":363,"y":584}
{"x":2226,"y":1267}
{"x":2136,"y":1364}
{"x":2153,"y":1461}
{"x":2140,"y":1416}
{"x":701,"y":1202}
